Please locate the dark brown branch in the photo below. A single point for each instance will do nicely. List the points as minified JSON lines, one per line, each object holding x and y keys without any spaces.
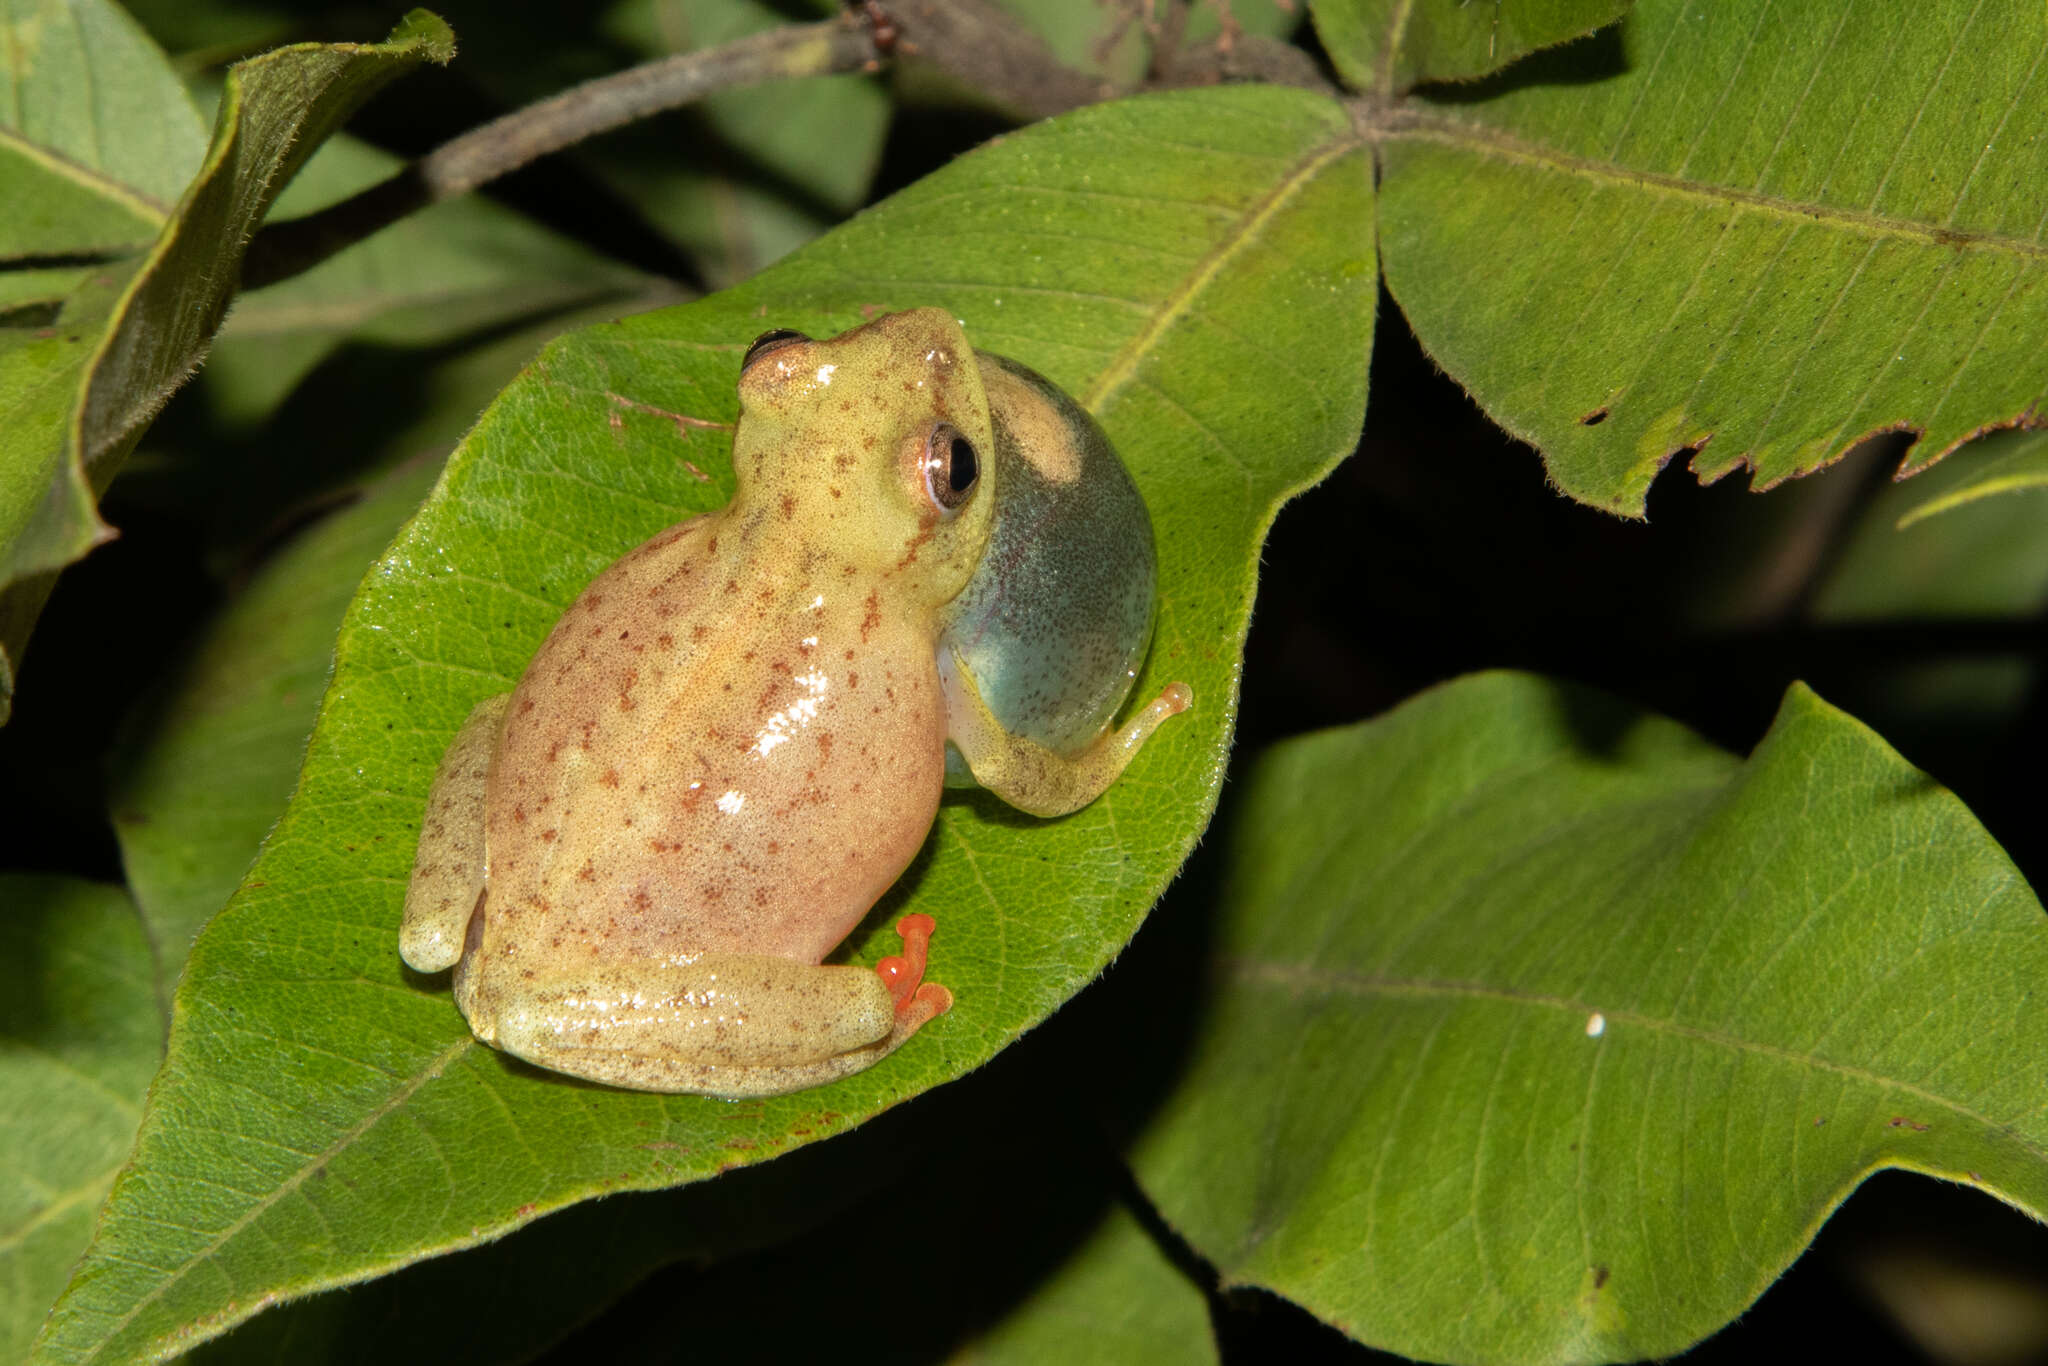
{"x":481,"y":155}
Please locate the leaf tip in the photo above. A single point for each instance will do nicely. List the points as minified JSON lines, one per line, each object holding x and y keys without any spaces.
{"x":429,"y":33}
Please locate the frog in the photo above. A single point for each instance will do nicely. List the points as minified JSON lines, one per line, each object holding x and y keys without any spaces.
{"x":933,"y":571}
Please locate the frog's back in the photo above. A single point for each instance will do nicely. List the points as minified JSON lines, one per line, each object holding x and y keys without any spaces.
{"x":698,"y":760}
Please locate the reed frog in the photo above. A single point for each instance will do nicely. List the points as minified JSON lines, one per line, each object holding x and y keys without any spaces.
{"x":933,"y":568}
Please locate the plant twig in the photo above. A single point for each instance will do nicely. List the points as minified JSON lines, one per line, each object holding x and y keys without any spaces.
{"x":990,"y":52}
{"x":481,"y":155}
{"x":974,"y":41}
{"x":1252,"y":58}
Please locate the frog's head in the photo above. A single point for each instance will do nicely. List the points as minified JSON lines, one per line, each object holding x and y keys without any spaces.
{"x":874,"y":446}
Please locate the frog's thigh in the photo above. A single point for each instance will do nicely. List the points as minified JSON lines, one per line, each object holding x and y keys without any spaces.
{"x":1025,"y":773}
{"x":722,"y":1024}
{"x":448,"y":871}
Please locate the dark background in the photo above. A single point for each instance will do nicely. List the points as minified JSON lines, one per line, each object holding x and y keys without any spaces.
{"x":1439,"y":548}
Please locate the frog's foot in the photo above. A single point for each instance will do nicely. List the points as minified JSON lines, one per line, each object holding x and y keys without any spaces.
{"x":1025,"y":773}
{"x":917,"y":1001}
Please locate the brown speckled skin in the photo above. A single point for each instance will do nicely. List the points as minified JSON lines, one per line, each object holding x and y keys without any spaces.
{"x":728,"y":749}
{"x":632,"y":776}
{"x":734,"y":741}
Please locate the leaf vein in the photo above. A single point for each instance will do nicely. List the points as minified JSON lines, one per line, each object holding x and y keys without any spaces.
{"x":1506,"y":147}
{"x":1297,"y":977}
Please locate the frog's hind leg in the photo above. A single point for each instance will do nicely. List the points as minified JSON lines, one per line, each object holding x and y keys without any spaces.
{"x":1025,"y":773}
{"x":448,"y":871}
{"x":722,"y":1024}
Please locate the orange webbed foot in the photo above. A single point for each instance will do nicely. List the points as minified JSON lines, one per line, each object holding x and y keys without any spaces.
{"x":903,"y":973}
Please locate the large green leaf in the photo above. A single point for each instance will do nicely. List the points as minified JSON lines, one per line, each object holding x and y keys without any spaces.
{"x":1762,"y":233}
{"x":1386,"y":46}
{"x":76,"y":392}
{"x":81,"y":1030}
{"x":1547,"y":1032}
{"x":324,"y":1117}
{"x":97,"y":136}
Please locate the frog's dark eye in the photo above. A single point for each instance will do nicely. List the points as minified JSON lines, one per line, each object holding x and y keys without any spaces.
{"x":769,"y":342}
{"x":952,"y":467}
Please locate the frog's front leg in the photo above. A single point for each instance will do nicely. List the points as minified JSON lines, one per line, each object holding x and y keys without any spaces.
{"x":1025,"y":773}
{"x":448,"y":871}
{"x":721,"y":1024}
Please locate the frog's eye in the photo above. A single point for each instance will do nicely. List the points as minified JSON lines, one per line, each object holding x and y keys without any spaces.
{"x":769,"y":342}
{"x":952,"y":468}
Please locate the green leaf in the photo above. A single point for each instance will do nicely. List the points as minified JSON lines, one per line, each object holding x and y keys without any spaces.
{"x":324,"y":1117}
{"x":2004,"y":462}
{"x":1972,"y":577}
{"x":81,"y":1030}
{"x":1116,"y":1299}
{"x":505,"y":1301}
{"x":215,"y":757}
{"x":97,"y":136}
{"x":75,"y":395}
{"x":1985,"y":559}
{"x":1546,"y":1032}
{"x":1041,"y":1262}
{"x":1389,"y":45}
{"x":32,"y":292}
{"x":1758,"y":233}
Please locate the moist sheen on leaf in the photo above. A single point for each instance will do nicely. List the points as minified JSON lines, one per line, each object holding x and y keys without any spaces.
{"x":1546,"y":1032}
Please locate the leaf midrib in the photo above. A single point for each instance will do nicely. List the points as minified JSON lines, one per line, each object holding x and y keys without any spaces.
{"x":1412,"y":125}
{"x":144,"y":206}
{"x":1300,"y":976}
{"x":87,"y":1192}
{"x":1124,"y":367}
{"x":1390,"y":46}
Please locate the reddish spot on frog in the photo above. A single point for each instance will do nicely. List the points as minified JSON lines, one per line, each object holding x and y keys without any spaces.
{"x":933,"y":569}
